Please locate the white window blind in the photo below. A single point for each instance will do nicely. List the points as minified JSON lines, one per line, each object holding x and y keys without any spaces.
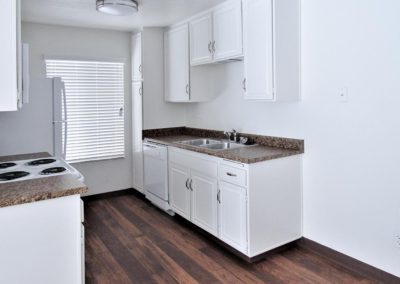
{"x":94,"y":104}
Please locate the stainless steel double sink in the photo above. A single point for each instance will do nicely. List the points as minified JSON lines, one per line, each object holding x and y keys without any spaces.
{"x":212,"y":144}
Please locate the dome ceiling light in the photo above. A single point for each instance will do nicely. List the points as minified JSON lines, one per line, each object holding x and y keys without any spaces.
{"x":117,"y":7}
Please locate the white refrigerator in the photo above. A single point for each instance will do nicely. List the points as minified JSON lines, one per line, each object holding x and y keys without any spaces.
{"x":40,"y":125}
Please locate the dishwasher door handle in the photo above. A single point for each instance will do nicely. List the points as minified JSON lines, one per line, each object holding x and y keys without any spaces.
{"x":149,"y":146}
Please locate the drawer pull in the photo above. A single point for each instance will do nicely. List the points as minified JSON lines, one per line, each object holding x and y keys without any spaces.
{"x":231,"y":175}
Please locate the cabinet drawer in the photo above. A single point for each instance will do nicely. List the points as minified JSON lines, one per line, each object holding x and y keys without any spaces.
{"x":233,"y":175}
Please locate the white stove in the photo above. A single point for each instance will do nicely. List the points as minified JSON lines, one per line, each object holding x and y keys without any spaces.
{"x":36,"y":168}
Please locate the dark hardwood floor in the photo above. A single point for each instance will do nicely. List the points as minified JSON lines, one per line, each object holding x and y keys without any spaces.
{"x":130,"y":241}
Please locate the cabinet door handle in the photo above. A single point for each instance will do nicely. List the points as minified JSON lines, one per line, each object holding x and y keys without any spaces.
{"x":140,"y":92}
{"x":231,"y":175}
{"x":213,"y":46}
{"x":244,"y":84}
{"x":209,"y":47}
{"x":219,"y":196}
{"x":140,"y":69}
{"x":190,"y":185}
{"x":187,"y":89}
{"x":187,"y":183}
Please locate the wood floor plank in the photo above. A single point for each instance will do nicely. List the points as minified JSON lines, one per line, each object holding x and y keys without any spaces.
{"x":323,"y":267}
{"x":244,"y":272}
{"x":164,"y":221}
{"x":174,"y":251}
{"x":130,"y":241}
{"x":128,"y":236}
{"x":191,"y":248}
{"x":129,"y":263}
{"x":101,"y":267}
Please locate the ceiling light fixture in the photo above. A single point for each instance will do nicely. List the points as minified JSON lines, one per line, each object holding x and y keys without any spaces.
{"x":117,"y":7}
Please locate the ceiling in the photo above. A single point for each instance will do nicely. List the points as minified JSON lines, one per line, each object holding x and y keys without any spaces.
{"x":82,"y":13}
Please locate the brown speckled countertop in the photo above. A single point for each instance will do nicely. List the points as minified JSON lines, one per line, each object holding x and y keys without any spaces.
{"x":266,"y":147}
{"x":26,"y":191}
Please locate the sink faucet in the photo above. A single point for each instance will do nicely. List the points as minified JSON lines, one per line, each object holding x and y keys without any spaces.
{"x":228,"y":135}
{"x":234,"y":132}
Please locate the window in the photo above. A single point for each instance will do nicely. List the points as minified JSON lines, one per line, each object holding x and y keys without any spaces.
{"x":94,"y":104}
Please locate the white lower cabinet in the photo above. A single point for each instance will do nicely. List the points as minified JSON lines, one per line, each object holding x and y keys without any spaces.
{"x":42,"y":242}
{"x":204,"y":201}
{"x":179,"y":189}
{"x":193,"y":188}
{"x":251,"y":207}
{"x":232,"y":216}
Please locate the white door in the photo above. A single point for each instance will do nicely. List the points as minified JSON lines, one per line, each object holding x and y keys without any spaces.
{"x":137,"y":120}
{"x":204,"y":202}
{"x":201,"y":40}
{"x":177,"y":88}
{"x":8,"y":56}
{"x":227,"y":23}
{"x":137,"y":68}
{"x":233,"y":216}
{"x":258,"y":49}
{"x":179,"y":192}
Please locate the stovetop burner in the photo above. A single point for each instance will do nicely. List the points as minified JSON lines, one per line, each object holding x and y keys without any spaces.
{"x":41,"y":162}
{"x":54,"y":170}
{"x":13,"y":175}
{"x":6,"y":165}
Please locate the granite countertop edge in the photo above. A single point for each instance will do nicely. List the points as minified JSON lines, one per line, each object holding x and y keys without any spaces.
{"x":46,"y":195}
{"x":33,"y":190}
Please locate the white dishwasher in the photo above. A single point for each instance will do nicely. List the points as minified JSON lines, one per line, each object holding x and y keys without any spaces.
{"x":156,"y":175}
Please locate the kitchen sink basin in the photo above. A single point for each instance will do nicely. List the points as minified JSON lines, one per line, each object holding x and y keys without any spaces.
{"x":200,"y":142}
{"x":212,"y":144}
{"x":223,"y":146}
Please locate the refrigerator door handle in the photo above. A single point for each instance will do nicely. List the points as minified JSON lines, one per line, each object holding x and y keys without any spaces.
{"x":64,"y":95}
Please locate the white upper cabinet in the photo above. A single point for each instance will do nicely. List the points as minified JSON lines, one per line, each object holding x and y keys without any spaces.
{"x":217,"y":35}
{"x":258,"y":49}
{"x":9,"y":37}
{"x":201,"y":40}
{"x":177,"y":83}
{"x":271,"y":39}
{"x":137,"y":66}
{"x":227,"y":23}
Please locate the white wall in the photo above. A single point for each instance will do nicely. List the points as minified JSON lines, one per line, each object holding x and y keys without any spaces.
{"x":351,"y":164}
{"x":101,"y":176}
{"x":157,"y":113}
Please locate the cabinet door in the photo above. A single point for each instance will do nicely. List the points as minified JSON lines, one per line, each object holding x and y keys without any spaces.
{"x":137,"y":67}
{"x":233,"y":216}
{"x":8,"y":56}
{"x":201,"y":40}
{"x":258,"y":49}
{"x":227,"y":23}
{"x":178,"y":192}
{"x":204,"y":201}
{"x":137,"y":92}
{"x":177,"y":88}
